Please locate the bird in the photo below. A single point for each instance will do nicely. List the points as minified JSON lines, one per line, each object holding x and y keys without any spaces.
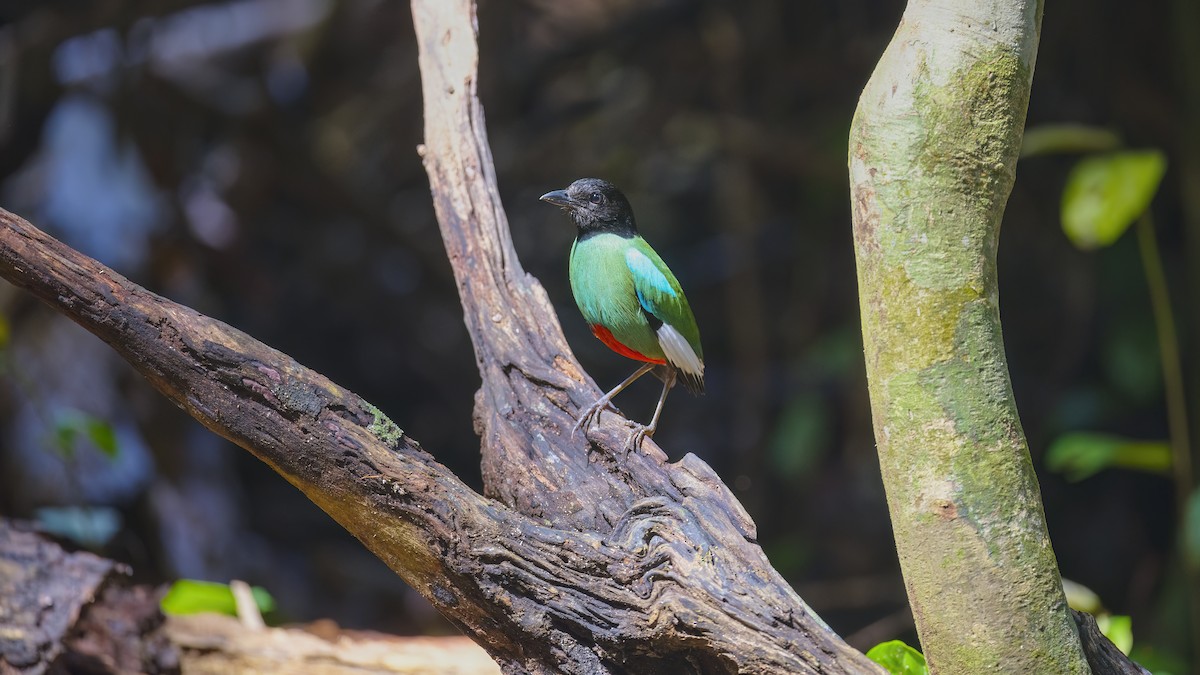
{"x":629,"y":297}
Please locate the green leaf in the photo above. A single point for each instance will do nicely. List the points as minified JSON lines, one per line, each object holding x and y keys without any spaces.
{"x":1106,"y":193}
{"x":5,"y":331}
{"x":1118,"y":629}
{"x":101,"y":433}
{"x":189,"y":596}
{"x":1082,"y":454}
{"x":70,"y":424}
{"x":1050,"y":139}
{"x":1081,"y":598}
{"x":898,"y":658}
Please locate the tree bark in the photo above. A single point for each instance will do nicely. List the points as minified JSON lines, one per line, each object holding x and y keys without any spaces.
{"x":933,"y":150}
{"x":74,"y":612}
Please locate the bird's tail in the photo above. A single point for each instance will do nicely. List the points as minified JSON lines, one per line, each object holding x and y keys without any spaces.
{"x":692,"y":382}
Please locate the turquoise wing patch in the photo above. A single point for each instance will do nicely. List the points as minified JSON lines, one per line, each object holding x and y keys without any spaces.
{"x":646,"y":273}
{"x":659,"y":293}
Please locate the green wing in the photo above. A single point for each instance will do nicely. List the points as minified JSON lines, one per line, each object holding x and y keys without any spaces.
{"x":659,"y":293}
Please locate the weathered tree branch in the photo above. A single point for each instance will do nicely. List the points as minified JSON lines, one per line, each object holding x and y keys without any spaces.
{"x":591,"y":561}
{"x":675,"y":583}
{"x":933,"y":151}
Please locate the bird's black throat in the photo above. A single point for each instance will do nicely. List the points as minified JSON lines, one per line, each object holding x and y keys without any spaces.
{"x":622,"y":228}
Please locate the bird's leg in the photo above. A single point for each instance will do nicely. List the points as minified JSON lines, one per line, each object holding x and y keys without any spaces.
{"x":635,"y":439}
{"x":603,"y":401}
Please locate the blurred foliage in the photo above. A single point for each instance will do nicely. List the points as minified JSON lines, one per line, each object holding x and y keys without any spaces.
{"x":72,"y":426}
{"x":1080,"y":455}
{"x":1158,"y":662}
{"x":898,"y":658}
{"x":801,"y":437}
{"x":1191,"y":530}
{"x":1053,"y":139}
{"x":1106,"y":193}
{"x":1131,"y":362}
{"x":1118,"y":629}
{"x":1081,"y":597}
{"x":189,"y":596}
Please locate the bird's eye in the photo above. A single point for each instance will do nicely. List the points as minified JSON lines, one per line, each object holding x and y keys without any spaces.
{"x":595,"y":198}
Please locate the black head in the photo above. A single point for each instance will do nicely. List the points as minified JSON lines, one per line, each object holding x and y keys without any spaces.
{"x":596,"y":206}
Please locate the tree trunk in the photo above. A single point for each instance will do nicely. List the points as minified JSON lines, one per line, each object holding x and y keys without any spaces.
{"x":933,"y":150}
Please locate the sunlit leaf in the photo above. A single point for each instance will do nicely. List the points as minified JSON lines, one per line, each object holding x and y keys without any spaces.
{"x":1049,"y":139}
{"x":1118,"y":629}
{"x":1082,"y":454}
{"x":898,"y":658}
{"x":189,"y":596}
{"x":1105,"y":194}
{"x":1082,"y":598}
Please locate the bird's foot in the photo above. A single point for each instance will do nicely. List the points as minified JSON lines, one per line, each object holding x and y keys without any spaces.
{"x":639,"y":434}
{"x":592,"y":413}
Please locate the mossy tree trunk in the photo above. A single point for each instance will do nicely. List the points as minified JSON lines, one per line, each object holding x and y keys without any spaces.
{"x":933,"y":150}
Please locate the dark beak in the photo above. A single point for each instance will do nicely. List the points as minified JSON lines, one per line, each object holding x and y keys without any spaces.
{"x":557,"y":198}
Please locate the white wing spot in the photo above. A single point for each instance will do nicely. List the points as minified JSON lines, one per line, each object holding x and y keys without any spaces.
{"x":678,"y":351}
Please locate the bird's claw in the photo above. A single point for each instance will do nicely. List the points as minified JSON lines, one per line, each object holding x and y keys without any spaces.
{"x":589,"y":415}
{"x":592,"y":414}
{"x":639,"y":434}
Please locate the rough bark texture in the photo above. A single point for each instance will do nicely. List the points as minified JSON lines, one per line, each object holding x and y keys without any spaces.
{"x":933,"y":150}
{"x":588,"y":559}
{"x":1102,"y":655}
{"x":74,"y":612}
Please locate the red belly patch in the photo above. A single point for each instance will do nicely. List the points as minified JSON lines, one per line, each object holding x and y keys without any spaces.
{"x":605,"y":335}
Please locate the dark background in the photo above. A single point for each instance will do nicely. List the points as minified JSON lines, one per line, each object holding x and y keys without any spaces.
{"x":257,"y":160}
